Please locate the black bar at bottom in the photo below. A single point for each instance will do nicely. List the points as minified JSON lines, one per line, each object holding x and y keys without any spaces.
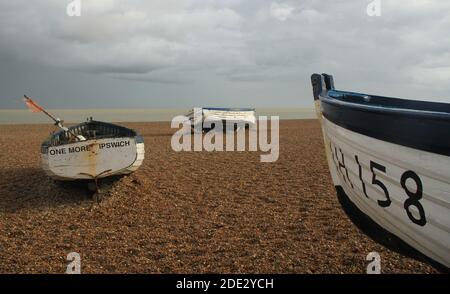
{"x":208,"y":283}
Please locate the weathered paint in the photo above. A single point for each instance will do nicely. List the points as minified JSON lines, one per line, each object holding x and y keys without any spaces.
{"x":230,"y":116}
{"x":93,"y":158}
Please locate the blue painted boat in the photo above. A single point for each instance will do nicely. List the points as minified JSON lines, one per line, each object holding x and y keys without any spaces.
{"x":391,"y":158}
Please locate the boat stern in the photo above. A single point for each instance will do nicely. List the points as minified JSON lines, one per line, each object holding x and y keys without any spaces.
{"x":93,"y":159}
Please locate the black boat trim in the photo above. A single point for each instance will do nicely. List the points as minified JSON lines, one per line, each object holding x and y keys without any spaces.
{"x":90,"y":130}
{"x":416,"y":124}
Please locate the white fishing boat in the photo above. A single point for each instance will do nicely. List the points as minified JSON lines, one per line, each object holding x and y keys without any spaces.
{"x":391,"y":157}
{"x":206,"y":118}
{"x":90,"y":150}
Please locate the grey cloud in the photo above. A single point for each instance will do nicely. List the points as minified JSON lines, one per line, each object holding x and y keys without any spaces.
{"x":228,"y":43}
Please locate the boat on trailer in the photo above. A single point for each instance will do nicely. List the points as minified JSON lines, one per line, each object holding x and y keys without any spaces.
{"x":391,"y":157}
{"x":90,"y":150}
{"x":205,"y":118}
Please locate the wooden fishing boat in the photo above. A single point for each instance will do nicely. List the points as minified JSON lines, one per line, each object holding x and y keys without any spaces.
{"x":391,"y":157}
{"x":90,"y":150}
{"x":205,"y":118}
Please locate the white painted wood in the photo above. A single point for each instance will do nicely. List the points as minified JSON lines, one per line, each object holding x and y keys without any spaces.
{"x":93,"y":158}
{"x":230,"y":115}
{"x":233,"y":116}
{"x":433,"y":238}
{"x":139,"y":159}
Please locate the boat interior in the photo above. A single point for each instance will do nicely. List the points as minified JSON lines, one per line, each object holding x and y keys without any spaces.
{"x":389,"y":102}
{"x":373,"y":100}
{"x":89,"y":130}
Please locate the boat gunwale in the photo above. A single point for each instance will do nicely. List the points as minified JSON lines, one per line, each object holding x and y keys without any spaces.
{"x":416,"y":125}
{"x":379,"y":108}
{"x":128,"y":133}
{"x":228,"y":109}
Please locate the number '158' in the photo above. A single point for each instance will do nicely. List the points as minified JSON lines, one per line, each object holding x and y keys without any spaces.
{"x":413,"y":196}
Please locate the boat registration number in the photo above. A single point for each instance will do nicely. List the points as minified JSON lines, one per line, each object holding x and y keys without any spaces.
{"x":413,"y":195}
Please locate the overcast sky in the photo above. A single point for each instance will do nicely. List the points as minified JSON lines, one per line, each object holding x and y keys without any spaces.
{"x":184,"y":53}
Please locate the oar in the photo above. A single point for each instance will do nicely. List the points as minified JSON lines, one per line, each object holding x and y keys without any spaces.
{"x":36,"y":108}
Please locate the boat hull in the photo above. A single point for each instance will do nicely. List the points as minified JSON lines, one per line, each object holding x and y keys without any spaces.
{"x":404,"y":188}
{"x":93,"y":159}
{"x":204,"y":118}
{"x":354,"y":159}
{"x":230,"y":116}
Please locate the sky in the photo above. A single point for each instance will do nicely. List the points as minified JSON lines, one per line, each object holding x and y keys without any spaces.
{"x":229,"y":53}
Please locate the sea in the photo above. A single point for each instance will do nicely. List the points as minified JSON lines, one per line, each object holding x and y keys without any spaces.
{"x":24,"y":116}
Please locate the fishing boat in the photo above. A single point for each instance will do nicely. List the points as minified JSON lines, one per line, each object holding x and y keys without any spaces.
{"x":207,"y":117}
{"x":391,"y":157}
{"x":90,"y":150}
